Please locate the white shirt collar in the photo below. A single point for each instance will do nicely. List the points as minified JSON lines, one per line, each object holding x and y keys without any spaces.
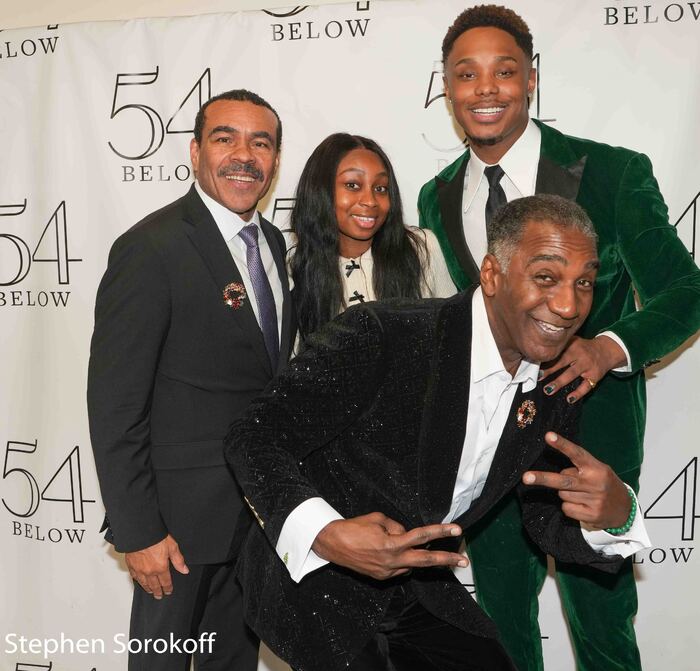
{"x":519,"y":164}
{"x":489,"y":361}
{"x":229,"y":223}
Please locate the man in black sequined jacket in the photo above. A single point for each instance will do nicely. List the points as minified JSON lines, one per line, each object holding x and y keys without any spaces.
{"x":397,"y":429}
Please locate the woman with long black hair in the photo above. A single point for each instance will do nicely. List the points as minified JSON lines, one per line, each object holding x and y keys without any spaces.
{"x":351,"y":242}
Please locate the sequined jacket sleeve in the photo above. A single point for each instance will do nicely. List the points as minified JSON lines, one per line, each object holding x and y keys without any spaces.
{"x":543,"y":519}
{"x":322,"y":392}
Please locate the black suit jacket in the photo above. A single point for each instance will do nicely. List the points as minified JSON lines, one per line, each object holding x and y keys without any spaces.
{"x":372,"y":417}
{"x":170,"y":365}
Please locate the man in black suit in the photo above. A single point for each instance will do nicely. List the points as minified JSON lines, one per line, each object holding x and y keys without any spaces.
{"x":192,"y":320}
{"x":404,"y":423}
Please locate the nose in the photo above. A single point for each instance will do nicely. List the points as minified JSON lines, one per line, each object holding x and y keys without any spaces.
{"x":368,"y":197}
{"x":486,"y":85}
{"x":241,"y":152}
{"x":563,"y":301}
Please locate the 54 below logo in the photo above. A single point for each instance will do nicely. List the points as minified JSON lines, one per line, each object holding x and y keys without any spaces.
{"x":314,"y":29}
{"x":678,"y":502}
{"x":20,"y":254}
{"x":28,"y":47}
{"x":22,"y":494}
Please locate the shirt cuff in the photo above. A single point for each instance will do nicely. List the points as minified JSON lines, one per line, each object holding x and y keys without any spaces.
{"x":634,"y":540}
{"x":298,"y":534}
{"x":613,"y":336}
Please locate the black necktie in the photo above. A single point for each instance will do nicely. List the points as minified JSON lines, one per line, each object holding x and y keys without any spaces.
{"x":497,"y":197}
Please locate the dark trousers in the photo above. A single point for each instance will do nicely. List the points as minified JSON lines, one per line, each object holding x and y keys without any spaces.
{"x":411,"y":638}
{"x":509,"y":572}
{"x":208,"y":599}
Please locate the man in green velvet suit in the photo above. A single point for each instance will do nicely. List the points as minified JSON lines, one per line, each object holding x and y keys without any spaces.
{"x":487,"y":56}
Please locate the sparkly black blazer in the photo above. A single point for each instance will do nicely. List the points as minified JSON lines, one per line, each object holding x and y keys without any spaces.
{"x":372,"y":417}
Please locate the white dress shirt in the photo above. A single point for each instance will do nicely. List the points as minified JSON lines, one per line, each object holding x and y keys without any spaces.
{"x":230,"y":225}
{"x":491,"y":393}
{"x":519,"y":165}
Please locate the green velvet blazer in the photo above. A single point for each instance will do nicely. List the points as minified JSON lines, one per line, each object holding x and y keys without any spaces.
{"x":638,"y":250}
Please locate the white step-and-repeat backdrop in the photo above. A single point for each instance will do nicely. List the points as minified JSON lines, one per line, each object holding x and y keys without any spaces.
{"x":95,"y":121}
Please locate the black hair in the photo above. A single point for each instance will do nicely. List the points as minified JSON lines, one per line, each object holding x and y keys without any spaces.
{"x":396,"y":251}
{"x":489,"y":16}
{"x":240,"y":95}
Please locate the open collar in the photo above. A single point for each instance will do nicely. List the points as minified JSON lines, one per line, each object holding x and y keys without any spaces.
{"x":489,"y":361}
{"x":228,"y":222}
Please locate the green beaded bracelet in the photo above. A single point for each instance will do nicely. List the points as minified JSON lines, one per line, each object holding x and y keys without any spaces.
{"x":618,"y":531}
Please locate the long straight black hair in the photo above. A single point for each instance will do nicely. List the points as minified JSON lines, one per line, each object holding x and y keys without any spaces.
{"x":396,"y":251}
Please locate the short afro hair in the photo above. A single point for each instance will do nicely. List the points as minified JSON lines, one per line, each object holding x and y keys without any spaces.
{"x":237,"y":95}
{"x":506,"y":229}
{"x":489,"y":16}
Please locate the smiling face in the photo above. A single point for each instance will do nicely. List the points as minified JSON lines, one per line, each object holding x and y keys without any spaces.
{"x":538,"y":304}
{"x":361,"y":200}
{"x":488,"y":78}
{"x":237,"y":158}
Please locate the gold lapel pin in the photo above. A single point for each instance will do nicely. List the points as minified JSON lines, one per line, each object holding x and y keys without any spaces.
{"x":526,"y":413}
{"x":234,"y":295}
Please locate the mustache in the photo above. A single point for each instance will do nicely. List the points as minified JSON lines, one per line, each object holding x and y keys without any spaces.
{"x":237,"y":167}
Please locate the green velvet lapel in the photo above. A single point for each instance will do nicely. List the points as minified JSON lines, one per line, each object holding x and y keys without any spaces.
{"x":559,"y":170}
{"x":450,"y":188}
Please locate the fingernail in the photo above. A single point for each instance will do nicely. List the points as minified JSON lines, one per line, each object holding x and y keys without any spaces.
{"x":455,"y":531}
{"x":540,"y":375}
{"x":528,"y":478}
{"x":571,"y":399}
{"x":462,"y":563}
{"x":549,"y":389}
{"x":552,"y":436}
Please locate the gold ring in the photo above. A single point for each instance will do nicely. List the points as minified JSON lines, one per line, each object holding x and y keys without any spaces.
{"x":591,"y":382}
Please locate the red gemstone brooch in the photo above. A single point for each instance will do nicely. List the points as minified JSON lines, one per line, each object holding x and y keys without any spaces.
{"x":526,"y":413}
{"x":234,"y":295}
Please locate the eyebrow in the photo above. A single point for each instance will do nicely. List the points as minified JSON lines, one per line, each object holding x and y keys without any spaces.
{"x":232,"y":130}
{"x":556,"y":258}
{"x":499,"y":59}
{"x":263,"y":134}
{"x":222,"y":129}
{"x":379,"y":174}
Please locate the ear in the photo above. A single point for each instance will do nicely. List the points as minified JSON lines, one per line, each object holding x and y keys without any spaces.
{"x":194,"y":155}
{"x":531,"y":82}
{"x":490,"y":274}
{"x":446,"y":89}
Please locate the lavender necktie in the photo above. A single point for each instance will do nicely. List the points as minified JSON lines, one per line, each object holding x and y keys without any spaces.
{"x":263,"y":292}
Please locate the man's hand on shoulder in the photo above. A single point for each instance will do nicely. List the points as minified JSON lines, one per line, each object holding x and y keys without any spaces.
{"x":590,"y":490}
{"x":381,"y":548}
{"x":590,"y":359}
{"x":150,"y":567}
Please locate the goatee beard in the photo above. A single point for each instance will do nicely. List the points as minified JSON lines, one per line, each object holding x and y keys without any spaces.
{"x":485,"y":141}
